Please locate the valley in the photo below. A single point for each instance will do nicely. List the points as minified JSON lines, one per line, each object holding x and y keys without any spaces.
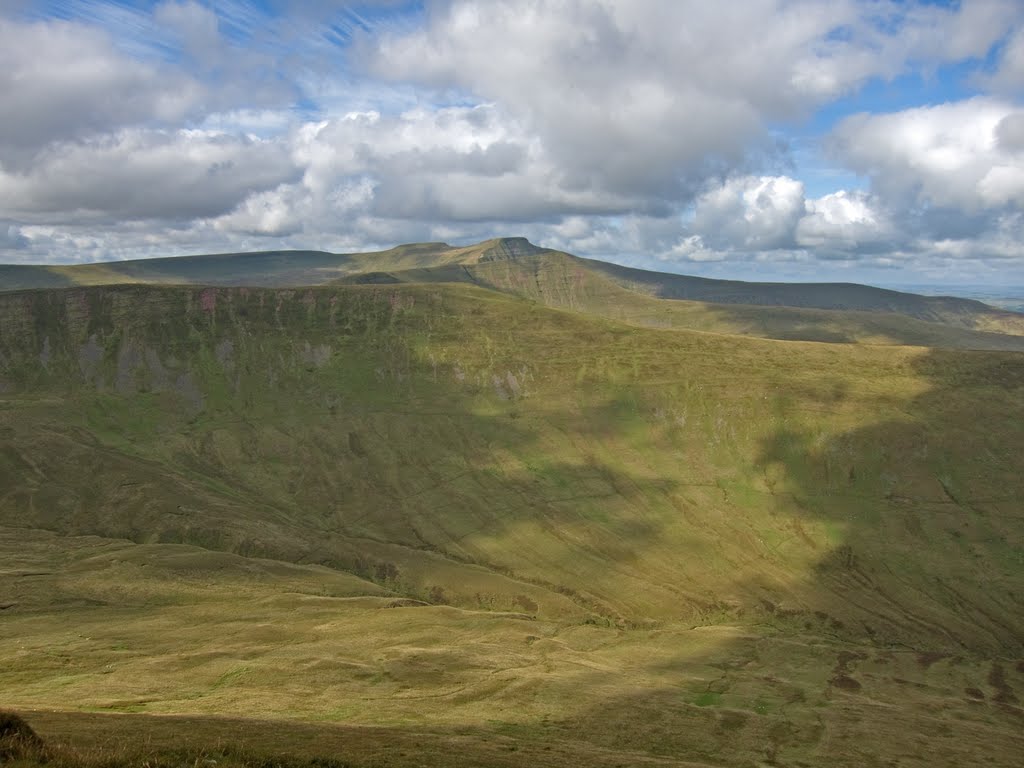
{"x":493,"y":508}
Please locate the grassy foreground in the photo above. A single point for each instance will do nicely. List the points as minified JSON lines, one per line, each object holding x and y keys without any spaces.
{"x":437,"y":525}
{"x":371,"y":681}
{"x":368,"y":684}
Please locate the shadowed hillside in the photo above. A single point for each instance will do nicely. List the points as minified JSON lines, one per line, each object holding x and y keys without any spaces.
{"x":483,"y":516}
{"x":275,"y":422}
{"x":560,"y":280}
{"x":944,"y":309}
{"x":261,"y":268}
{"x":811,"y":312}
{"x":924,"y":536}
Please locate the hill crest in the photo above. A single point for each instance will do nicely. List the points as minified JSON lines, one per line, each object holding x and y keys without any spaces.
{"x":808,"y":311}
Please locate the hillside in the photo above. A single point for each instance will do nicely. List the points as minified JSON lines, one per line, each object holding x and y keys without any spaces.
{"x":560,"y":280}
{"x":484,"y":522}
{"x":261,"y":268}
{"x":840,"y":296}
{"x":809,"y":312}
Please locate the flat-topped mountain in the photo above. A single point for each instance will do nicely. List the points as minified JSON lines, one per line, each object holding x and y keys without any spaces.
{"x":259,"y":268}
{"x":841,"y":312}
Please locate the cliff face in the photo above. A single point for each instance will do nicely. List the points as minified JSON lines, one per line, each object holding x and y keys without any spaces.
{"x":441,"y":504}
{"x":134,"y":339}
{"x":303,"y":268}
{"x":459,"y":445}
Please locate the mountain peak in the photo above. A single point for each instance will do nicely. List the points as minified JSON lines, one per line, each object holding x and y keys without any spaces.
{"x":502,"y":248}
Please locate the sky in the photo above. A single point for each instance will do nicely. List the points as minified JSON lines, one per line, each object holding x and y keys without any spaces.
{"x":876,"y":141}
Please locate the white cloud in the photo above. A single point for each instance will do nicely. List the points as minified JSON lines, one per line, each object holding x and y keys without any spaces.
{"x":143,"y":174}
{"x":61,"y":81}
{"x":458,"y":165}
{"x":750,"y":213}
{"x":769,"y":218}
{"x":618,"y":103}
{"x":651,"y":98}
{"x":290,"y":209}
{"x":961,"y":154}
{"x":196,"y":28}
{"x":692,"y":248}
{"x":1008,"y":76}
{"x":947,"y":183}
{"x":844,"y":221}
{"x":603,"y":127}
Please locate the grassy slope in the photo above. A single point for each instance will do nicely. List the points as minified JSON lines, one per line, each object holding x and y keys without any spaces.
{"x":123,"y":629}
{"x":966,"y":313}
{"x":263,"y":268}
{"x":559,"y":280}
{"x":665,"y":542}
{"x":826,"y":312}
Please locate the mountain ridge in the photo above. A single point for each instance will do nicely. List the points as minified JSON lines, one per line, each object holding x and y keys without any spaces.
{"x":829,"y":312}
{"x":561,"y":280}
{"x":452,"y":510}
{"x":287,"y":266}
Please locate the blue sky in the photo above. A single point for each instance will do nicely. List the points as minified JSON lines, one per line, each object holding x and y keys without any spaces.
{"x":868,"y":140}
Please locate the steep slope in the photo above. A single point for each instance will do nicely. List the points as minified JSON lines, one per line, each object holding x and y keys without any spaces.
{"x":560,"y":280}
{"x":521,"y":258}
{"x":567,"y":452}
{"x":445,"y":508}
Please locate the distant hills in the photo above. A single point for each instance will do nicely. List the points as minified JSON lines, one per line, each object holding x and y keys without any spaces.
{"x":272,"y":269}
{"x":830,"y":312}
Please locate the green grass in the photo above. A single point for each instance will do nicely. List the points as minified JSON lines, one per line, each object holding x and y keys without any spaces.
{"x":833,"y":312}
{"x":436,"y":522}
{"x":378,"y":680}
{"x":778,"y":311}
{"x":708,"y":699}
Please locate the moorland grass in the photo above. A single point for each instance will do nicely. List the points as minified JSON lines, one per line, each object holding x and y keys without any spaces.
{"x":459,"y":523}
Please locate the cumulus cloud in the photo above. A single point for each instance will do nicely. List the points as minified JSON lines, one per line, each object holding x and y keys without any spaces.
{"x":848,"y":222}
{"x":1008,"y":77}
{"x":771,"y":217}
{"x":652,"y":110}
{"x":63,"y":81}
{"x":68,"y":80}
{"x":289,"y":208}
{"x":770,"y":220}
{"x":647,"y":128}
{"x":962,"y":154}
{"x":461,"y":165}
{"x":144,"y":174}
{"x":750,"y":213}
{"x":951,"y":175}
{"x":616,"y":103}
